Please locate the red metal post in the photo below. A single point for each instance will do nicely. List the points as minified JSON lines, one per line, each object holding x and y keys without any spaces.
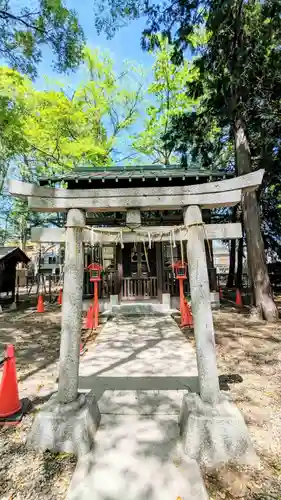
{"x":96,"y":305}
{"x":181,"y":298}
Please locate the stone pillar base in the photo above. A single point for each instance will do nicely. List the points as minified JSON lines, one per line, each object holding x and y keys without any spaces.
{"x":68,"y":428}
{"x":114,"y":300}
{"x":216,"y":435}
{"x":166,"y":301}
{"x":215,"y":300}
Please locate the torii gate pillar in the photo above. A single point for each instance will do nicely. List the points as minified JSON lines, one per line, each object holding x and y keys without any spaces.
{"x":213,"y":430}
{"x":68,"y":421}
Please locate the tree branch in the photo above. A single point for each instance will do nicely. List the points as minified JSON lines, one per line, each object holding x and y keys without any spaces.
{"x":8,"y":16}
{"x":127,"y":157}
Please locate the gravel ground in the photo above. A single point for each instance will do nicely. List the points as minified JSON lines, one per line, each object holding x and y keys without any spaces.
{"x":249,"y":360}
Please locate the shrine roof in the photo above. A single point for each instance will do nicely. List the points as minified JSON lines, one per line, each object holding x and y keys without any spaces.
{"x":105,"y":176}
{"x":14,"y":253}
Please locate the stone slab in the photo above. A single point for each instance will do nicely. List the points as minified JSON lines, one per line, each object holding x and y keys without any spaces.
{"x":68,"y":428}
{"x":139,"y":370}
{"x":141,"y":402}
{"x":139,"y":348}
{"x":137,"y":459}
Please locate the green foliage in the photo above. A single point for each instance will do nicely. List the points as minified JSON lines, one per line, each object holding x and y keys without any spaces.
{"x":52,"y":131}
{"x":83,"y":128}
{"x":239,"y":65}
{"x":13,"y":91}
{"x":112,"y":99}
{"x":168,"y":92}
{"x":59,"y":135}
{"x":26,"y":28}
{"x":45,"y":132}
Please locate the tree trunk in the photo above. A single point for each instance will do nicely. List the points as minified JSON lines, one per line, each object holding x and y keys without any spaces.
{"x":239,"y":272}
{"x":240,"y":251}
{"x":232,"y":255}
{"x":262,"y":297}
{"x":232,"y":262}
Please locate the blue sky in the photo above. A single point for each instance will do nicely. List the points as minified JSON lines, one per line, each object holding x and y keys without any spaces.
{"x":125,"y":44}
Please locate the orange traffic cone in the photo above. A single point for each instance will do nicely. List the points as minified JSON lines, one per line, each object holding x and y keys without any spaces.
{"x":90,"y":318}
{"x":238,"y":300}
{"x":60,"y":297}
{"x":11,"y":409}
{"x":40,"y":304}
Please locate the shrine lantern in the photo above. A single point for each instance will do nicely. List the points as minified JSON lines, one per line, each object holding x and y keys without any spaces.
{"x":95,"y":272}
{"x":180,"y":269}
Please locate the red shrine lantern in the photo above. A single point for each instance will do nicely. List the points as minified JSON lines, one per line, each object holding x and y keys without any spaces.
{"x":181,"y":270}
{"x":95,"y":272}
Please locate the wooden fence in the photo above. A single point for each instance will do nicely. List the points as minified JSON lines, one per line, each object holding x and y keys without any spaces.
{"x":136,"y":288}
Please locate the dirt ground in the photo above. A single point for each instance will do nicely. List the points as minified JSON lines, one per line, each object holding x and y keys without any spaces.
{"x":249,"y":360}
{"x":36,"y":340}
{"x":249,"y":354}
{"x":25,"y":474}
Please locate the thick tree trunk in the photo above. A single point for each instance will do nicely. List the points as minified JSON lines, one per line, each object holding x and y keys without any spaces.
{"x":262,"y":297}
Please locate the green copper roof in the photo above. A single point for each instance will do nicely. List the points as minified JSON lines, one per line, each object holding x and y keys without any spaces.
{"x":127,"y":172}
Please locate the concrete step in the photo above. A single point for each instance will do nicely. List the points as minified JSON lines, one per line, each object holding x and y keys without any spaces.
{"x":140,"y":309}
{"x":136,"y":457}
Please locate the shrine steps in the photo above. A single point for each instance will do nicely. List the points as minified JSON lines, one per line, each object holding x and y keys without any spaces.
{"x":140,"y":309}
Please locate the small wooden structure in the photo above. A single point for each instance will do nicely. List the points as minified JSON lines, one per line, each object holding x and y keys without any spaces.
{"x":9,"y":258}
{"x":138,"y":269}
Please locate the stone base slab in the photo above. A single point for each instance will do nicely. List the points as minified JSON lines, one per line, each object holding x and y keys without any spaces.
{"x":215,"y":300}
{"x":140,"y":309}
{"x":68,"y":428}
{"x":137,"y":458}
{"x":216,"y":435}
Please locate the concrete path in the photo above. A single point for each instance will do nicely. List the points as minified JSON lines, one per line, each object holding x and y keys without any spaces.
{"x":139,"y":369}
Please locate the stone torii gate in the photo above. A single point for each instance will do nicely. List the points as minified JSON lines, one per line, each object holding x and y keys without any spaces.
{"x":212,"y":428}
